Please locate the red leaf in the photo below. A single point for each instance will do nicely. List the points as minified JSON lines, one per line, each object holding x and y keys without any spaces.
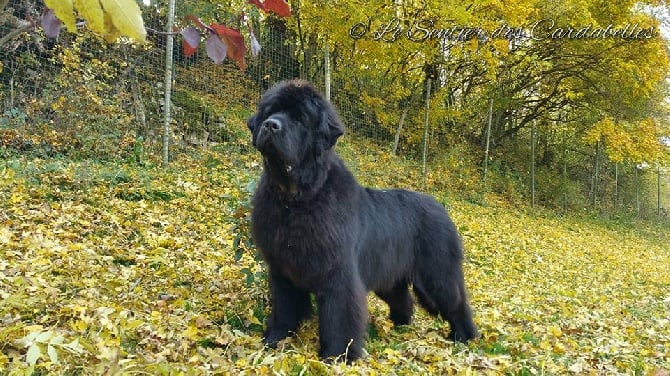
{"x":258,"y":4}
{"x":188,"y":50}
{"x":280,"y":7}
{"x":51,"y":24}
{"x":191,"y":40}
{"x":191,"y":36}
{"x":196,"y":21}
{"x":219,"y":29}
{"x":234,"y":41}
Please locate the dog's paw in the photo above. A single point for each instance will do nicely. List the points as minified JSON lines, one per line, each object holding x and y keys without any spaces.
{"x":272,"y":337}
{"x":348,"y":356}
{"x":463,"y":336}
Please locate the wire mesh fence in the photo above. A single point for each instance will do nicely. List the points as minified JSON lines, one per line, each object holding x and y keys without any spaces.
{"x":80,"y":96}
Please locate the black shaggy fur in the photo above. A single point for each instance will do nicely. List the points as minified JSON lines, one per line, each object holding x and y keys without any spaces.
{"x":320,"y":232}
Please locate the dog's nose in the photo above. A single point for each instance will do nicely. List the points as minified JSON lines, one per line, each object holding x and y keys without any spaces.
{"x":272,"y":124}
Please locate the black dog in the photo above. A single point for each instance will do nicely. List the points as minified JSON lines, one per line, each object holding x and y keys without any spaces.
{"x":322,"y":233}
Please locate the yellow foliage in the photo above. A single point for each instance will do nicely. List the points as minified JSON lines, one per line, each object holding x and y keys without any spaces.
{"x":64,"y":10}
{"x":111,"y":32}
{"x":126,"y":17}
{"x":92,"y":12}
{"x":109,"y":18}
{"x":637,"y":141}
{"x":377,"y":60}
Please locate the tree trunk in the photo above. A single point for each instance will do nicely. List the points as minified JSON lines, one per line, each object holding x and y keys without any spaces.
{"x":398,"y":131}
{"x":596,"y":170}
{"x":425,"y":131}
{"x":488,"y":140}
{"x":658,"y":193}
{"x":532,"y":165}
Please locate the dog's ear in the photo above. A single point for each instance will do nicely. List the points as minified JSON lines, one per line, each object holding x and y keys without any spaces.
{"x":331,"y":126}
{"x":251,"y":123}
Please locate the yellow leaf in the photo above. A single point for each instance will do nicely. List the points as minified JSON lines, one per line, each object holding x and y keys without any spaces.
{"x":126,"y":17}
{"x":134,"y":324}
{"x":111,"y":32}
{"x":92,"y":12}
{"x":558,"y":348}
{"x":4,"y":360}
{"x":545,"y":345}
{"x":555,"y":331}
{"x":79,"y":325}
{"x":33,"y":328}
{"x":191,"y":332}
{"x":64,"y":10}
{"x":5,"y":235}
{"x":253,"y":319}
{"x":242,"y":362}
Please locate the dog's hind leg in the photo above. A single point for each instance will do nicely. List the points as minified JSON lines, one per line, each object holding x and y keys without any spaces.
{"x":445,"y":295}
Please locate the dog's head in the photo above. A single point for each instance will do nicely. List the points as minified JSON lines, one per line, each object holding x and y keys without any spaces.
{"x":294,"y":123}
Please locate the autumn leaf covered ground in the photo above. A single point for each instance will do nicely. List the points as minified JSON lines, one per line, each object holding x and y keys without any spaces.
{"x":110,"y":268}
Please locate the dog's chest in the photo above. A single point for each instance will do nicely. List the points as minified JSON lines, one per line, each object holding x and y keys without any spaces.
{"x":296,"y":242}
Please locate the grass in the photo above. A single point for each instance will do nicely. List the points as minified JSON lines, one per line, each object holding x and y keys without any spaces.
{"x":111,"y":268}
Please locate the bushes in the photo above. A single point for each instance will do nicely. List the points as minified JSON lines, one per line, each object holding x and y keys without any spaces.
{"x":80,"y":110}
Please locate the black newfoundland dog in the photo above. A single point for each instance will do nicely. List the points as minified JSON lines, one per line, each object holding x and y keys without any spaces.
{"x":321,"y":233}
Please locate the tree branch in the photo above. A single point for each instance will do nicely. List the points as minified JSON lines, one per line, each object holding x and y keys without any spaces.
{"x":14,"y":33}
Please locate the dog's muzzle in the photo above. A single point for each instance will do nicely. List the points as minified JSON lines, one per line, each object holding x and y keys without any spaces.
{"x":271,"y":124}
{"x":269,"y":128}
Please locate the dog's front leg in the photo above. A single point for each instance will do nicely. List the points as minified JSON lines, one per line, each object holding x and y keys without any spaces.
{"x":342,"y":309}
{"x":290,"y":306}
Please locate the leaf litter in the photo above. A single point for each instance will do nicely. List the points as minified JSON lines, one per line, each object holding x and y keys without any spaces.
{"x":119,"y":269}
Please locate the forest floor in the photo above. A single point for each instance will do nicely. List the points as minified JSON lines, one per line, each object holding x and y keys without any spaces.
{"x":118,"y":268}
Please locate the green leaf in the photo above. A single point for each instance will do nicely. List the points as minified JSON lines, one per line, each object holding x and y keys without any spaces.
{"x":29,"y":339}
{"x":33,"y":354}
{"x":251,"y":186}
{"x":57,"y":340}
{"x":74,"y":347}
{"x":44,"y":337}
{"x":53,"y":354}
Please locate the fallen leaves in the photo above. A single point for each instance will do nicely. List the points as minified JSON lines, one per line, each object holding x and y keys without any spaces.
{"x":110,"y":268}
{"x":38,"y":340}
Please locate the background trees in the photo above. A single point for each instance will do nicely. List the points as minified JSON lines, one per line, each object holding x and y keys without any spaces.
{"x":592,"y":108}
{"x":592,"y":97}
